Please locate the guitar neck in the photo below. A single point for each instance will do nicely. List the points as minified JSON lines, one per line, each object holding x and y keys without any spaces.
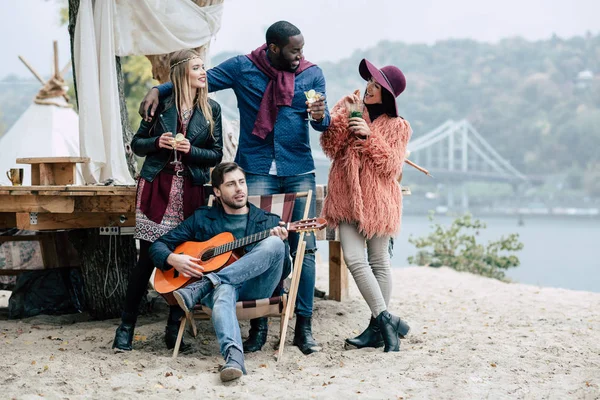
{"x":243,"y":242}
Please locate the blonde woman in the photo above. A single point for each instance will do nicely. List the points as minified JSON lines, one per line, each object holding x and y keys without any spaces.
{"x":171,"y":181}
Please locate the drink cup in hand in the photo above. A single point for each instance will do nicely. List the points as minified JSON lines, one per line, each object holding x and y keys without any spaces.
{"x":311,"y":97}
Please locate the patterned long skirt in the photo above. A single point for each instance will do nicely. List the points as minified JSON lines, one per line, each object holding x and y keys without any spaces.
{"x":146,"y":229}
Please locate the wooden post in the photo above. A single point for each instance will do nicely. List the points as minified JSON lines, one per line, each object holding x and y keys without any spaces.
{"x":338,"y":273}
{"x":56,"y":70}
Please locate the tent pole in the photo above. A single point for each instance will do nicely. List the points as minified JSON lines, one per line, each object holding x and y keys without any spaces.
{"x":32,"y":71}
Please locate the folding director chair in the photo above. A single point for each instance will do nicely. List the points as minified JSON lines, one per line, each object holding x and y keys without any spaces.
{"x":276,"y":306}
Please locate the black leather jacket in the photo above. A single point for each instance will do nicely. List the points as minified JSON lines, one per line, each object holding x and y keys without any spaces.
{"x":206,"y":151}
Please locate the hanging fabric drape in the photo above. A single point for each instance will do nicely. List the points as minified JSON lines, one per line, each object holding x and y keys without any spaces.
{"x":112,"y":28}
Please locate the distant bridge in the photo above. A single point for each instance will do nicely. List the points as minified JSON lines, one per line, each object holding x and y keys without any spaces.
{"x":455,"y":150}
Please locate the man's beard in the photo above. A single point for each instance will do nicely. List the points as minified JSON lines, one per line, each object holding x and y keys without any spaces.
{"x":232,"y":204}
{"x":285,"y":65}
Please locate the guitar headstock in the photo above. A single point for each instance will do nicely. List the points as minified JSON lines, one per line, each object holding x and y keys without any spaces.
{"x":307,"y":225}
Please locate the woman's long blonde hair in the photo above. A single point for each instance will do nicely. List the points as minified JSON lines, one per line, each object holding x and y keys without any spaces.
{"x":182,"y":86}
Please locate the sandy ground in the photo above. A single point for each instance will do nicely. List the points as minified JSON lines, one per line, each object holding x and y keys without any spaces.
{"x":471,"y":338}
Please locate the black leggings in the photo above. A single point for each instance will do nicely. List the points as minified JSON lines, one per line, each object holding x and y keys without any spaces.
{"x":138,"y":284}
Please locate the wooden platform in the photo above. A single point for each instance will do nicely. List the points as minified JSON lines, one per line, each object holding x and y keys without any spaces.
{"x":57,"y":207}
{"x":54,"y":207}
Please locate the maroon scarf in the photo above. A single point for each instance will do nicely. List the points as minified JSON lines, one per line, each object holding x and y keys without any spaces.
{"x":279,"y":92}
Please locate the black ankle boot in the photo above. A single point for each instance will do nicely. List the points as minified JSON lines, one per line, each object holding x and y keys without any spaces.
{"x":257,"y":337}
{"x":124,"y":337}
{"x":303,"y":337}
{"x":171,"y":332}
{"x":371,"y":337}
{"x":392,"y":328}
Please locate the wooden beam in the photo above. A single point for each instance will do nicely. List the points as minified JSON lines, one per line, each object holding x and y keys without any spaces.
{"x":46,"y":174}
{"x":56,"y":70}
{"x":20,"y":238}
{"x":76,"y":220}
{"x":338,"y":273}
{"x":71,"y":190}
{"x":52,"y":160}
{"x":65,"y":69}
{"x":113,"y":204}
{"x":64,"y":173}
{"x":8,"y":220}
{"x":32,"y":203}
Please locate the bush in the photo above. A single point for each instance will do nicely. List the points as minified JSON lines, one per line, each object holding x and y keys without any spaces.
{"x":456,"y":247}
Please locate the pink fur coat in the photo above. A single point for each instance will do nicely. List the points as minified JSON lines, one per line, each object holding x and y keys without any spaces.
{"x":363,"y":185}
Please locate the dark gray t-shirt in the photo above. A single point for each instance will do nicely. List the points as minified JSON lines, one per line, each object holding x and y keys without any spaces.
{"x":236,"y":224}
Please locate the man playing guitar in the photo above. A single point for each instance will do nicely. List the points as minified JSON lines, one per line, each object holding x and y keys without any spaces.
{"x":254,"y":276}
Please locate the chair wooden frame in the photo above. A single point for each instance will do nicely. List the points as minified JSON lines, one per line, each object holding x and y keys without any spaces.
{"x":284,"y":308}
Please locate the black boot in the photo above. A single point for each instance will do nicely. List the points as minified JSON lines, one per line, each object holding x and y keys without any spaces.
{"x":171,"y":332}
{"x":303,"y":337}
{"x":371,"y":337}
{"x":257,"y":337}
{"x":124,"y":337}
{"x":392,"y":328}
{"x":172,"y":329}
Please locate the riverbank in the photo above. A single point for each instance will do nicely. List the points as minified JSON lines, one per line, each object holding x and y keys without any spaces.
{"x":471,"y":337}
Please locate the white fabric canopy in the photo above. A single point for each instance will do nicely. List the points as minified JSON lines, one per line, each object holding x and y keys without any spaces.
{"x":112,"y":27}
{"x":43,"y":130}
{"x":163,"y":26}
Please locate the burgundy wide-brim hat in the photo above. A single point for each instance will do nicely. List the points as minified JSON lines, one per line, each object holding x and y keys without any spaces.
{"x":389,"y":77}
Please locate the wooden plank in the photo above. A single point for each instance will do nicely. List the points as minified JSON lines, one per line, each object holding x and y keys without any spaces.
{"x":46,"y":174}
{"x":64,"y":173}
{"x":97,"y":188}
{"x":32,"y":203}
{"x":49,"y":251}
{"x":7,"y":220}
{"x":75,"y":190}
{"x":35,"y":174}
{"x":105,"y":204}
{"x":338,"y":273}
{"x":20,"y":238}
{"x":76,"y":220}
{"x":50,"y":160}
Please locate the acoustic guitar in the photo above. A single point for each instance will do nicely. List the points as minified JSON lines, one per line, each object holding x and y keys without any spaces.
{"x":219,"y":252}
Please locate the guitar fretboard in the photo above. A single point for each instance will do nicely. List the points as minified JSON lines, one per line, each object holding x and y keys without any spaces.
{"x":236,"y":244}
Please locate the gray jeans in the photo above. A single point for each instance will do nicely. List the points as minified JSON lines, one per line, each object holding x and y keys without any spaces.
{"x":371,"y":271}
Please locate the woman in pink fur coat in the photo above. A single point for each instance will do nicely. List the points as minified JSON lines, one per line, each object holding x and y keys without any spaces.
{"x":364,"y":198}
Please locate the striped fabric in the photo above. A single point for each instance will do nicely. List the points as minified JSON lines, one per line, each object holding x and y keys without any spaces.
{"x":250,"y":309}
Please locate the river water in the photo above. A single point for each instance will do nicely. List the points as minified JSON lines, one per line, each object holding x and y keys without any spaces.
{"x":558,"y":252}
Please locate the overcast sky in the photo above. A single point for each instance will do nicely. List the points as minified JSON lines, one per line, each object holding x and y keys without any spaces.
{"x":333,"y":29}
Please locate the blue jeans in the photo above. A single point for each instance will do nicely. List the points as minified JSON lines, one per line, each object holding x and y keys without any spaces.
{"x":252,"y":277}
{"x":271,"y":184}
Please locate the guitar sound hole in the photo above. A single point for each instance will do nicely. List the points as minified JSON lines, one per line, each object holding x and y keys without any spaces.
{"x":208,"y":254}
